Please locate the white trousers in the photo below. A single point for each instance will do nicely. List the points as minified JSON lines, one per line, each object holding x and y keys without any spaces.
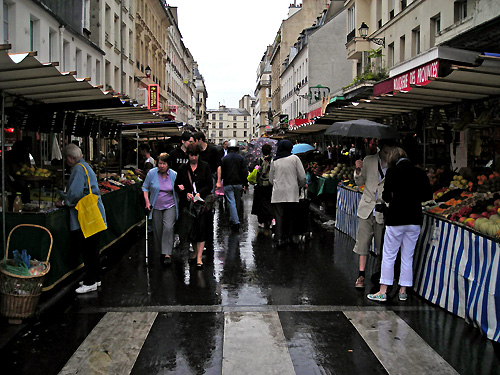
{"x":404,"y":237}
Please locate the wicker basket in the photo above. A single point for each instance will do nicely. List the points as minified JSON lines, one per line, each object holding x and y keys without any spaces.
{"x":19,"y":295}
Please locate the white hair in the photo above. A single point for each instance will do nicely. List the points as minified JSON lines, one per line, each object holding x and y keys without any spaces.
{"x":73,"y":151}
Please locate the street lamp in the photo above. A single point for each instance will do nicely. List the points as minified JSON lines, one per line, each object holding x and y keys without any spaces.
{"x":363,"y":32}
{"x":148,"y":74}
{"x":297,"y":90}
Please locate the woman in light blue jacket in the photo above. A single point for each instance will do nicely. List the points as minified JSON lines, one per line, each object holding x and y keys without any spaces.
{"x":161,"y":199}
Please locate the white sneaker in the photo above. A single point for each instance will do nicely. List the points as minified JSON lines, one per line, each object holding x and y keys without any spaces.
{"x":86,"y":288}
{"x":98,"y":283}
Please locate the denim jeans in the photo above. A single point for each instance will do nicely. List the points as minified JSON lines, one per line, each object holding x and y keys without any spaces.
{"x":232,"y":195}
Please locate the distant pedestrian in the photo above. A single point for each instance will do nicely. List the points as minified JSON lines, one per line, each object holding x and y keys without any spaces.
{"x":162,"y":202}
{"x":234,"y":173}
{"x":287,"y":175}
{"x":405,"y":188}
{"x":263,"y":189}
{"x":195,"y":180}
{"x":147,"y":159}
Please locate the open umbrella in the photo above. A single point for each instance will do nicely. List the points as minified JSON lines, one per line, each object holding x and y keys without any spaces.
{"x":301,"y":148}
{"x":254,"y":149}
{"x":362,"y":128}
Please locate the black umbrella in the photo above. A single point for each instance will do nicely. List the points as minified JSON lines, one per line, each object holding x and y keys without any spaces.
{"x":362,"y":128}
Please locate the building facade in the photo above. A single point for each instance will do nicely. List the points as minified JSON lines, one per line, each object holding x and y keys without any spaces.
{"x":262,"y":93}
{"x":201,"y":99}
{"x":299,"y":18}
{"x":229,"y":123}
{"x":56,"y":34}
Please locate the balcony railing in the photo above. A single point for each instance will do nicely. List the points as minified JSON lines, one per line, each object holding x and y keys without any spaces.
{"x":351,"y":35}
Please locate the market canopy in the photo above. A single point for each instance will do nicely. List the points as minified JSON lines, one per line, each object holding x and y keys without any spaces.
{"x":32,"y":86}
{"x":462,"y":84}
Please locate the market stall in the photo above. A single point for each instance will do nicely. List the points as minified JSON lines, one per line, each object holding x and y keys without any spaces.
{"x":124,"y":211}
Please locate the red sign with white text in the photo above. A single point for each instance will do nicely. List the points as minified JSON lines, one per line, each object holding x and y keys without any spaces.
{"x":153,"y":96}
{"x":418,"y":76}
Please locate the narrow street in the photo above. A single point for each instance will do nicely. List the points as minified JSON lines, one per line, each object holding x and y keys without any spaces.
{"x":253,"y":309}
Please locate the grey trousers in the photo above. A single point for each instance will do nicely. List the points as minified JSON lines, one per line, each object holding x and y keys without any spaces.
{"x":163,"y":230}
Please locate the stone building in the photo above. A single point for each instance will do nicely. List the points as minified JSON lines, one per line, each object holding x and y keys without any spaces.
{"x":262,"y":93}
{"x":201,"y":99}
{"x":227,"y":123}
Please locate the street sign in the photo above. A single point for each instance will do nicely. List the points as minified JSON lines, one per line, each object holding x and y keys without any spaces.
{"x":153,"y":96}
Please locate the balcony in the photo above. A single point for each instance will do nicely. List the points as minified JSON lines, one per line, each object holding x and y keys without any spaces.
{"x":356,"y":47}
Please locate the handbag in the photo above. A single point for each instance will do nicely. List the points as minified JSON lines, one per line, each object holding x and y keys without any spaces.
{"x":89,"y":216}
{"x":207,"y":203}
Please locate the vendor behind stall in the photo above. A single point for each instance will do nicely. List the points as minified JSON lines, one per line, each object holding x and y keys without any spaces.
{"x":148,"y":160}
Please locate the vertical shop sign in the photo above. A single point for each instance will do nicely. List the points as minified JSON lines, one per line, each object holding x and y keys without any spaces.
{"x":153,"y":102}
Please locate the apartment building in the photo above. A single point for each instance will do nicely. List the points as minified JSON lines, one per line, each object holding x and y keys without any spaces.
{"x":201,"y":99}
{"x":229,"y":123}
{"x":262,"y":93}
{"x":299,"y":18}
{"x":57,"y":32}
{"x":405,"y":30}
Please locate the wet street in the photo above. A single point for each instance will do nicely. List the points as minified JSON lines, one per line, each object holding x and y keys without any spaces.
{"x":253,"y":309}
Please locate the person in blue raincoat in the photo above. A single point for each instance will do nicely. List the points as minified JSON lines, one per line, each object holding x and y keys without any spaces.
{"x":162,"y":201}
{"x":77,"y":189}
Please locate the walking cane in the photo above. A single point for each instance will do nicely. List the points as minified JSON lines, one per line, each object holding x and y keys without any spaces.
{"x":147,"y":252}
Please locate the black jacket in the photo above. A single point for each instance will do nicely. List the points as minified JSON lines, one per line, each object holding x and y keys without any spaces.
{"x":234,"y":169}
{"x":201,"y":177}
{"x":405,"y":188}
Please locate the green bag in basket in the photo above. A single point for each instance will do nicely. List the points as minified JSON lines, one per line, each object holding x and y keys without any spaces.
{"x":89,"y":216}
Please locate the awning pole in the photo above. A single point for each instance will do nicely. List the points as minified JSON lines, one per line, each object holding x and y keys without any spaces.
{"x":64,"y":144}
{"x":137,"y":147}
{"x":3,"y":171}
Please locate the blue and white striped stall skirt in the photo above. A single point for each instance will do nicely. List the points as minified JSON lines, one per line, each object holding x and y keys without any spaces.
{"x":458,"y":270}
{"x":346,"y":219}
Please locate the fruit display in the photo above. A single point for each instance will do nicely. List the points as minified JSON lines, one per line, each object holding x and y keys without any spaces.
{"x":29,"y":172}
{"x":130,"y":175}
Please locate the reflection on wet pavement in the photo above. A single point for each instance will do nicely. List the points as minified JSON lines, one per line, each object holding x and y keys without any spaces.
{"x":297,"y":305}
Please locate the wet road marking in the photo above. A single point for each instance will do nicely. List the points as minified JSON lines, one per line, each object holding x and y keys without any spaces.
{"x":113,"y":345}
{"x":397,"y":346}
{"x":250,"y":308}
{"x":254,"y":343}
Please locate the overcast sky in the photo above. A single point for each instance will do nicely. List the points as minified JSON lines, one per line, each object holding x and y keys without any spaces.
{"x":228,"y":39}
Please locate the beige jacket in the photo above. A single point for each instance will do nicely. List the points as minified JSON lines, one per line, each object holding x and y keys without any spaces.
{"x":286,"y":175}
{"x":373,"y":188}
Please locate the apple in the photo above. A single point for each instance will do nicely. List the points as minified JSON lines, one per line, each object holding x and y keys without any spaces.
{"x":462,"y":219}
{"x":490,"y":208}
{"x":475,"y":216}
{"x":497,"y":202}
{"x":485,"y":214}
{"x":470,"y":223}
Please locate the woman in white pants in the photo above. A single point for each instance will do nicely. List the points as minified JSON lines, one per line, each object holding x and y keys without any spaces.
{"x":405,"y":188}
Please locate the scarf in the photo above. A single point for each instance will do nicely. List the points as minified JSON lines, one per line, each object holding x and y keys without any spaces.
{"x":284,"y":149}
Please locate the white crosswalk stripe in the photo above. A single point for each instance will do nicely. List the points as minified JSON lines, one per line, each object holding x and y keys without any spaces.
{"x":113,"y":345}
{"x":398,"y":347}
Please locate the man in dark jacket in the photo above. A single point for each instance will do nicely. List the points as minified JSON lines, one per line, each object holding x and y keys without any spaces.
{"x":234,"y":174}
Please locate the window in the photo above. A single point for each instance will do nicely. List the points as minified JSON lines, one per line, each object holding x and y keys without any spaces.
{"x":221,"y":126}
{"x":391,"y":8}
{"x":435,"y":29}
{"x":52,"y":45}
{"x":107,"y":23}
{"x":5,"y":23}
{"x":234,"y":118}
{"x":460,"y":7}
{"x":221,"y":134}
{"x":404,"y":4}
{"x":235,"y":125}
{"x":66,"y":58}
{"x":402,"y":46}
{"x":97,"y":72}
{"x":245,"y":118}
{"x":245,"y":133}
{"x":89,"y":66}
{"x":245,"y":124}
{"x":220,"y":116}
{"x":234,"y":133}
{"x":34,"y":33}
{"x":416,"y":41}
{"x":391,"y":54}
{"x":351,"y":19}
{"x":213,"y":116}
{"x":78,"y":58}
{"x":86,"y":14}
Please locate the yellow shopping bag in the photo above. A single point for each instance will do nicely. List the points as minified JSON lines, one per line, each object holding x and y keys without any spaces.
{"x":89,"y":216}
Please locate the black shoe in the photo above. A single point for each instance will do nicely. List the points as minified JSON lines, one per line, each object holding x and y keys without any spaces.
{"x":235,"y":227}
{"x":167,"y":261}
{"x":192,"y":261}
{"x":199,"y":266}
{"x":162,"y":258}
